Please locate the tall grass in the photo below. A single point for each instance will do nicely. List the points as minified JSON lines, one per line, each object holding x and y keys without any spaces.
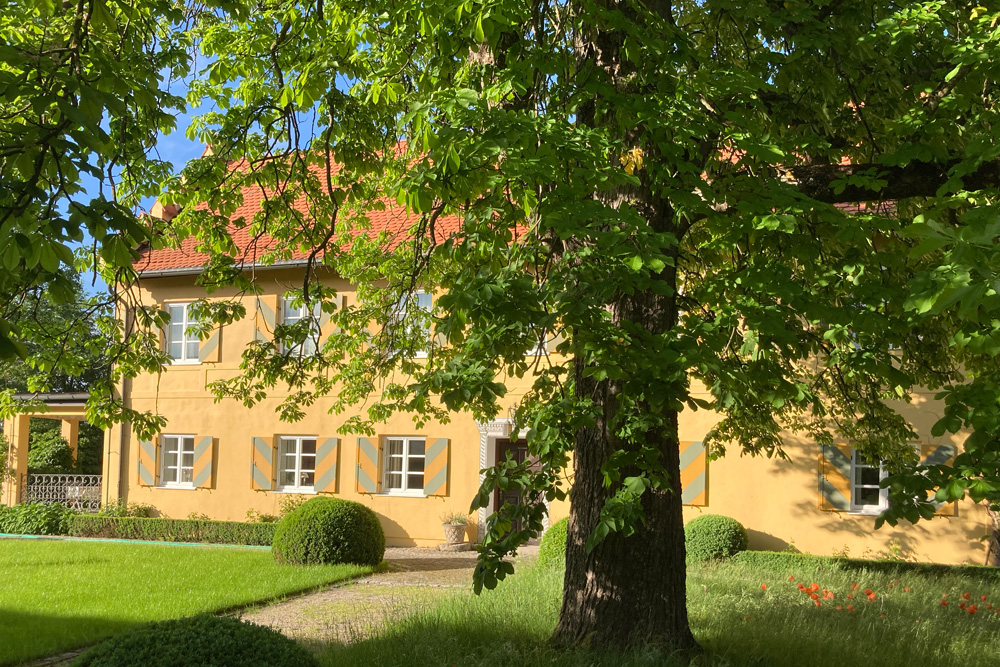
{"x":738,"y":622}
{"x":55,"y":596}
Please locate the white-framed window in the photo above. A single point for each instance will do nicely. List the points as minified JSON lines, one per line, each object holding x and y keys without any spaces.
{"x":296,"y":463}
{"x":403,"y":466}
{"x":867,"y":497}
{"x":182,"y":347}
{"x":177,"y":461}
{"x":424,"y":304}
{"x":291,"y":314}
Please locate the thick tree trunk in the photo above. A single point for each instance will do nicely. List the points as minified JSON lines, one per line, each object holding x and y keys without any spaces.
{"x":628,"y":590}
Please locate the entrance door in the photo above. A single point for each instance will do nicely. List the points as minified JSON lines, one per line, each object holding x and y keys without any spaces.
{"x":518,"y":452}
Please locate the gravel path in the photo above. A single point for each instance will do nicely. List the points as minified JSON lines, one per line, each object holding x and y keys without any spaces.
{"x":415,"y":577}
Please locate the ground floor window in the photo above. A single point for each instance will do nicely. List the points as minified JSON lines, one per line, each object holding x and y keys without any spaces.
{"x":867,"y":497}
{"x":297,"y":463}
{"x":403,"y":465}
{"x":177,"y":460}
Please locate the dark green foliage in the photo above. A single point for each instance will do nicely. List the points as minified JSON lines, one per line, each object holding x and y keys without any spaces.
{"x":121,"y":508}
{"x":552,"y":550}
{"x":172,"y":530}
{"x":714,"y":536}
{"x":329,"y":530}
{"x":49,"y":452}
{"x":777,"y":560}
{"x":215,"y":641}
{"x":36,"y":519}
{"x":89,"y":449}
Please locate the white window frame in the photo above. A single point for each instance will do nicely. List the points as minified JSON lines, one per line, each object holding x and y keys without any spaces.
{"x":180,"y":439}
{"x":186,"y":338}
{"x":883,"y":494}
{"x":298,"y":470}
{"x":405,"y":470}
{"x":314,"y":329}
{"x":399,"y":317}
{"x":541,"y":348}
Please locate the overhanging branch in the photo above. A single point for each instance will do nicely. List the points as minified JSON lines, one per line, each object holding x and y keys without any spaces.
{"x":917,"y":179}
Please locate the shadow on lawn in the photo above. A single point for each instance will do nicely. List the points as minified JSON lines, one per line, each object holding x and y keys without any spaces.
{"x":25,"y":636}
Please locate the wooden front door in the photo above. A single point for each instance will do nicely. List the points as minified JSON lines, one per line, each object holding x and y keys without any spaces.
{"x":518,"y":452}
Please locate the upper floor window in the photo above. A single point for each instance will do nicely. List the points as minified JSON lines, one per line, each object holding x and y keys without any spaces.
{"x":423,"y":303}
{"x":296,"y":463}
{"x":181,"y":345}
{"x":292,"y":314}
{"x":867,"y":497}
{"x":177,"y":460}
{"x":403,"y":465}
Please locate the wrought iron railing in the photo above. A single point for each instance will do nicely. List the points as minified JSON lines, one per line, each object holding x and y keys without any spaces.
{"x":81,"y":492}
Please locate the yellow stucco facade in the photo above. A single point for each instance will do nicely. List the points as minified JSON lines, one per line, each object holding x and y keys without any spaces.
{"x":778,"y":501}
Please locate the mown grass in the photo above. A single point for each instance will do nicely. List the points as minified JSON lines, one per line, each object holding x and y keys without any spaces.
{"x":56,"y":596}
{"x":739,"y":623}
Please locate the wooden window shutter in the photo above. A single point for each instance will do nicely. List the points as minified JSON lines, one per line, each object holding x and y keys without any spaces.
{"x":436,"y":467}
{"x":265,"y":317}
{"x":694,"y":473}
{"x":204,"y":461}
{"x":939,"y":455}
{"x":327,"y":326}
{"x":262,"y":464}
{"x":327,"y":454}
{"x":210,"y":349}
{"x":147,"y":458}
{"x":835,"y":477}
{"x":366,"y":477}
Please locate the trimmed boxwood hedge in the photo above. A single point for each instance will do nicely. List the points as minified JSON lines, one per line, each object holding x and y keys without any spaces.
{"x":714,"y":536}
{"x":172,"y":530}
{"x":209,"y":641}
{"x":329,"y":531}
{"x":552,"y":548}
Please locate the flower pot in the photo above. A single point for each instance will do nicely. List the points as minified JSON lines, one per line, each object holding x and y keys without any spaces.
{"x":454,"y":533}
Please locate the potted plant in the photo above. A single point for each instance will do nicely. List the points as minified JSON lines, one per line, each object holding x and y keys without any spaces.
{"x":454,"y":525}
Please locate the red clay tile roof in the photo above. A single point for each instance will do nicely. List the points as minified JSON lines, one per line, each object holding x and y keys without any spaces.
{"x":393,"y":219}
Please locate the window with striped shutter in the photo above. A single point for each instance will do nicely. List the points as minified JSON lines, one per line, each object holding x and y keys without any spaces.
{"x":940,"y":455}
{"x":436,"y":467}
{"x":210,"y":349}
{"x":327,"y":454}
{"x":835,"y":477}
{"x":204,"y":462}
{"x":694,"y":473}
{"x":366,"y":477}
{"x":265,"y":317}
{"x":262,"y":463}
{"x":146,"y":461}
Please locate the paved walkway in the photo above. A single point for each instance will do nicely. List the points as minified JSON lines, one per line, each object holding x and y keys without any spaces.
{"x":415,"y":577}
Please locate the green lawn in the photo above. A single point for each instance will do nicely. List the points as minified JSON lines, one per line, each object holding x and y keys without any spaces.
{"x":738,"y":623}
{"x":56,"y":595}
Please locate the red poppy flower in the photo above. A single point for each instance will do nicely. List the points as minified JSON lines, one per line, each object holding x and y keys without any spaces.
{"x":944,"y":603}
{"x":850,"y":608}
{"x":791,"y":578}
{"x":966,"y":596}
{"x":850,"y":596}
{"x":814,"y":596}
{"x":881,"y":614}
{"x":868,"y":591}
{"x":854,"y":587}
{"x":839,"y":607}
{"x":815,"y":586}
{"x":818,"y":603}
{"x":972,"y":609}
{"x":983,"y":598}
{"x":906,"y":589}
{"x":871,"y":597}
{"x":961,"y":605}
{"x":763,"y":587}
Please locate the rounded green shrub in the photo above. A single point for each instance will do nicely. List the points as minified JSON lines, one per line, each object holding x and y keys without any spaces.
{"x":552,"y":548}
{"x":36,"y":519}
{"x":210,"y":641}
{"x":714,"y":536}
{"x":329,"y":531}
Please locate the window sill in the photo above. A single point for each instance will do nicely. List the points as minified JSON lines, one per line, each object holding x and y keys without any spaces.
{"x":297,"y":490}
{"x":402,"y":494}
{"x":179,"y":362}
{"x":867,"y":512}
{"x":177,"y":487}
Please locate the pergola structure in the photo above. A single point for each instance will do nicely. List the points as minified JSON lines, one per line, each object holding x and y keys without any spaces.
{"x":70,"y":409}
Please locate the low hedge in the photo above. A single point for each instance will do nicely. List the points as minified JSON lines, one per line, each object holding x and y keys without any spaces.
{"x":786,"y":560}
{"x":209,"y":641}
{"x":173,"y":530}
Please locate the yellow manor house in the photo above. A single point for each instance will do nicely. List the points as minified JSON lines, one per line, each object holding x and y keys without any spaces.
{"x":223,"y":460}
